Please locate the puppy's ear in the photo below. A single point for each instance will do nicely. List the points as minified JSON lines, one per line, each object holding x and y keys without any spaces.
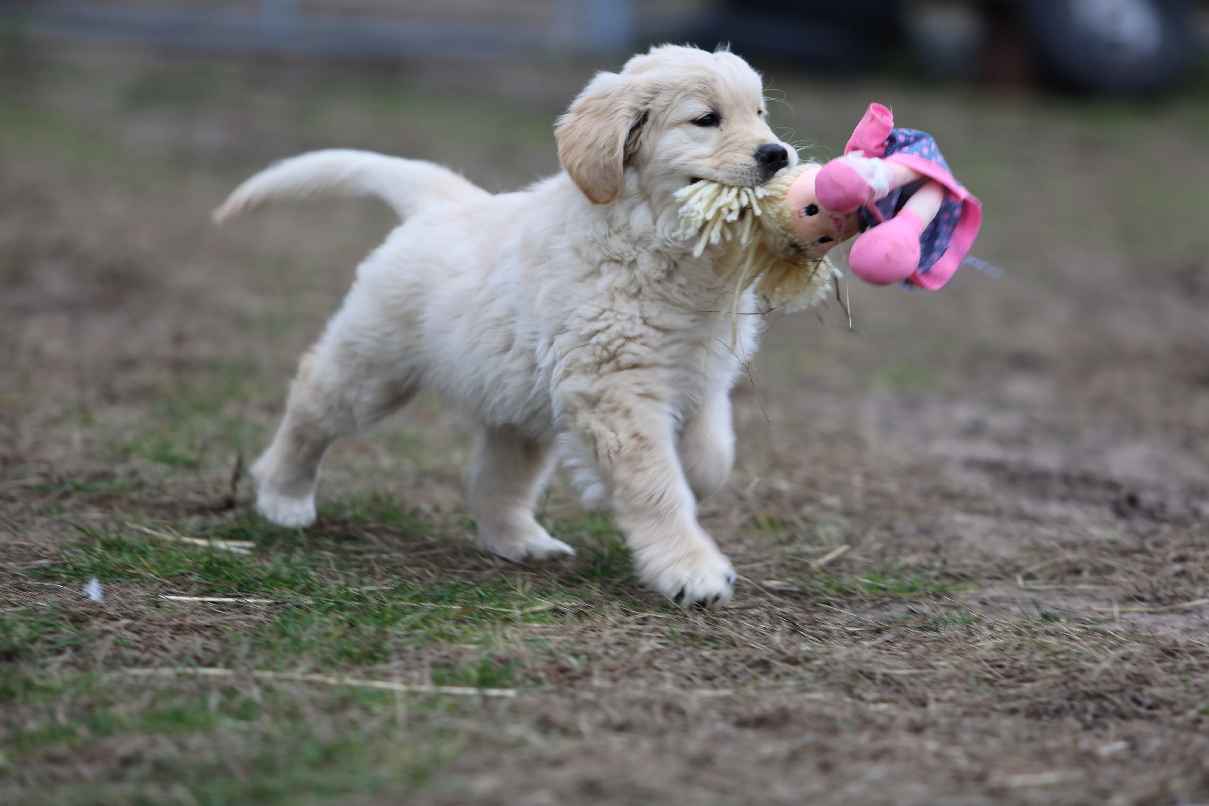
{"x":598,"y":132}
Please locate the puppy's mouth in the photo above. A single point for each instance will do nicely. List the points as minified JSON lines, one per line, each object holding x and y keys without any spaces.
{"x":745,"y":182}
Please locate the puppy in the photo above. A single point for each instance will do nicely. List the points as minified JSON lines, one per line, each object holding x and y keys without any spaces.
{"x":567,"y":319}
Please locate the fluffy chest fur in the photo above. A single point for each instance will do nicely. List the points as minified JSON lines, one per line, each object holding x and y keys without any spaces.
{"x":512,"y":328}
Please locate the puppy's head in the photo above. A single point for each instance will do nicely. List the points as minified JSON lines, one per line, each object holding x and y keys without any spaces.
{"x":672,"y":115}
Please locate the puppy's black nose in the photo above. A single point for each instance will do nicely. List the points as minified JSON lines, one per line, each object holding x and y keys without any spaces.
{"x":771,"y":157}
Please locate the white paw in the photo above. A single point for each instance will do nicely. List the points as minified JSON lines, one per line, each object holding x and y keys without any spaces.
{"x":286,"y":511}
{"x":700,"y":576}
{"x":531,"y":543}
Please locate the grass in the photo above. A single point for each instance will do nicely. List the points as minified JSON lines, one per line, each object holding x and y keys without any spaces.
{"x":890,"y":582}
{"x":326,"y":620}
{"x":376,"y":509}
{"x":328,"y":617}
{"x":195,"y":424}
{"x":489,"y":671}
{"x":606,"y":559}
{"x":114,"y":556}
{"x":354,"y":628}
{"x":165,"y":450}
{"x":100,"y":485}
{"x":281,"y":739}
{"x":141,"y":346}
{"x":167,"y":713}
{"x":25,"y":636}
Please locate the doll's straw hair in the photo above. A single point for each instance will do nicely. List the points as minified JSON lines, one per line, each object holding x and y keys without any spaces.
{"x":714,"y":213}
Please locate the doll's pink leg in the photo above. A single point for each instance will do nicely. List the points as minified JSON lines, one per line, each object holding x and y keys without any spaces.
{"x":890,"y":252}
{"x":854,"y":180}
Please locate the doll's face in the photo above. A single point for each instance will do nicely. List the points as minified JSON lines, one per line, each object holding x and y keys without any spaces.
{"x":814,"y":229}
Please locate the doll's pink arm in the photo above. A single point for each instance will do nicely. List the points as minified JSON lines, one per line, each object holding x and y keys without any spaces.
{"x":871,"y":133}
{"x":856,"y":180}
{"x":860,"y":177}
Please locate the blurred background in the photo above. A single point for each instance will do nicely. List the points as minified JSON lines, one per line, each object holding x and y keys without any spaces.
{"x":1081,"y":124}
{"x":1108,"y":46}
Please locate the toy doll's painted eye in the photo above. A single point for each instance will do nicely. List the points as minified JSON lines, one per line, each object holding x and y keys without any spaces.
{"x":708,"y":119}
{"x":825,"y":239}
{"x":811,"y":209}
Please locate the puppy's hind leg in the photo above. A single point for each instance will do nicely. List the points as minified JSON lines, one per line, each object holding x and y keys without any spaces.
{"x":707,"y":446}
{"x":336,"y":393}
{"x":506,"y":476}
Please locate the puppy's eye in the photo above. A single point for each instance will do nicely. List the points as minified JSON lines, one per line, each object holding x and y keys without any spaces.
{"x":708,"y":119}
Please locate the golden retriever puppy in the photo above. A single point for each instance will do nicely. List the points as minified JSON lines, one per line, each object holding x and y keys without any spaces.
{"x":567,"y":320}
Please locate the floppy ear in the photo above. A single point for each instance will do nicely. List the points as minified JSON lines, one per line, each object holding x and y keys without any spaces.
{"x":598,"y":132}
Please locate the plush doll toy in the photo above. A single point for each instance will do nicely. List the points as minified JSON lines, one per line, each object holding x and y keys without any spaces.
{"x":893,"y":185}
{"x":774,"y":236}
{"x":921,"y":221}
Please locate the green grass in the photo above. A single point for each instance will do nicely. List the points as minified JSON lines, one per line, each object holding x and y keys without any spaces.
{"x":490,"y":671}
{"x":327,"y":616}
{"x":168,"y":713}
{"x":600,"y":544}
{"x":17,"y":685}
{"x":765,"y":522}
{"x":883,"y":583}
{"x":288,"y":744}
{"x":121,"y":557}
{"x":27,"y":634}
{"x":151,"y":138}
{"x":199,"y":422}
{"x":376,"y":509}
{"x":99,"y":485}
{"x":163,"y":449}
{"x":355,"y":628}
{"x":901,"y":583}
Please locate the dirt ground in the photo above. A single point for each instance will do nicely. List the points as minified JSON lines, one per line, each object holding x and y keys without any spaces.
{"x":971,"y":534}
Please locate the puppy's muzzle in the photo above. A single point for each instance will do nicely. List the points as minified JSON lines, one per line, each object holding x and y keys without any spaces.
{"x":770,"y":158}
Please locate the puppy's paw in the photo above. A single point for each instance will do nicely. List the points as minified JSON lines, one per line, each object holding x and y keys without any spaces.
{"x":284,"y":510}
{"x":519,"y":545}
{"x":698,"y":577}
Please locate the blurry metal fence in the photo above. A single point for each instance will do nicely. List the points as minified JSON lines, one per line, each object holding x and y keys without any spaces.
{"x":422,"y":28}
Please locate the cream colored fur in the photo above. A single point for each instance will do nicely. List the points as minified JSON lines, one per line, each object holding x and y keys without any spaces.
{"x":567,"y":320}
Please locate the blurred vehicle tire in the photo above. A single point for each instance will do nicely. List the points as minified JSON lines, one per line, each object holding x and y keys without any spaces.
{"x":1119,"y":47}
{"x":832,"y":38}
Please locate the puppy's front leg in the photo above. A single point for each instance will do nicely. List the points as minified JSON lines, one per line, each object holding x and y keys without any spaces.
{"x":633,"y":438}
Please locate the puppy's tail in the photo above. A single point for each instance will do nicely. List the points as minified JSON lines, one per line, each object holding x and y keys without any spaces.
{"x":405,"y":185}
